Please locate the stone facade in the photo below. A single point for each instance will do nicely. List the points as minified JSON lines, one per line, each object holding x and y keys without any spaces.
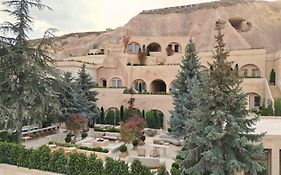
{"x":116,"y":70}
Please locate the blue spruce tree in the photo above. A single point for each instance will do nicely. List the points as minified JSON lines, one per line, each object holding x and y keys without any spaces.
{"x":187,"y":80}
{"x":220,"y":139}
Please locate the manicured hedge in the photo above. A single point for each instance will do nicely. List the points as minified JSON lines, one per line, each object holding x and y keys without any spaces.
{"x":72,"y":164}
{"x":107,"y":130}
{"x":8,"y":137}
{"x":96,"y":149}
{"x":154,"y":119}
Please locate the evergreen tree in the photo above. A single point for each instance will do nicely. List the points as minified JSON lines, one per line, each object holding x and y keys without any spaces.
{"x":74,"y":99}
{"x":85,"y":82}
{"x":187,"y":79}
{"x":272,"y":78}
{"x":28,"y":82}
{"x":220,"y":138}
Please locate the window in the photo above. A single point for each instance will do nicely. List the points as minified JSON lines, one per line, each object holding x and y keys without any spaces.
{"x":176,"y":48}
{"x":103,"y":83}
{"x":257,"y":101}
{"x":133,"y":48}
{"x":255,"y":73}
{"x":245,"y":72}
{"x":140,"y":86}
{"x":116,"y":83}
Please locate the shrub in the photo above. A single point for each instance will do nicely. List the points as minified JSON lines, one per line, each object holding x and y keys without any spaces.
{"x":123,"y":148}
{"x":138,"y":169}
{"x":96,"y":149}
{"x":84,"y":135}
{"x":58,"y":162}
{"x":131,"y":128}
{"x":67,"y":139}
{"x":135,"y":142}
{"x":154,"y":119}
{"x":112,"y":116}
{"x":76,"y":164}
{"x":272,"y":77}
{"x":277,"y":106}
{"x":94,"y":165}
{"x":175,"y":171}
{"x":75,"y":123}
{"x":107,"y":130}
{"x":162,"y":170}
{"x":131,"y":112}
{"x":169,"y":130}
{"x":6,"y":136}
{"x":116,"y":167}
{"x":142,"y":138}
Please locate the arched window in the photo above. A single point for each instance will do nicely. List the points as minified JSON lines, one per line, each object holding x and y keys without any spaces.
{"x":116,"y":83}
{"x":103,"y":82}
{"x":249,"y":70}
{"x":175,"y":47}
{"x":140,"y":86}
{"x":254,"y":100}
{"x":133,"y":47}
{"x":154,"y":47}
{"x":158,"y":86}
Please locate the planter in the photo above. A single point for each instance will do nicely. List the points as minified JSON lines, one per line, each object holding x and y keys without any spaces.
{"x":123,"y":154}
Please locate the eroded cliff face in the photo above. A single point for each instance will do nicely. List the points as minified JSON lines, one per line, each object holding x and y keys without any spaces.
{"x":248,"y":25}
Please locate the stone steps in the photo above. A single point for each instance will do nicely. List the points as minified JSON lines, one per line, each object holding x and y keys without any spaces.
{"x":275,"y":91}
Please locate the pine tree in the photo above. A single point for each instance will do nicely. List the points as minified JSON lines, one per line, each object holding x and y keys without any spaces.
{"x":85,"y":82}
{"x":28,"y":82}
{"x":272,"y":78}
{"x":187,"y":79}
{"x":74,"y":100}
{"x":220,"y":137}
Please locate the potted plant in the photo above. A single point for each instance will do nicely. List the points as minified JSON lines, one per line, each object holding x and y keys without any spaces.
{"x":142,"y":139}
{"x":67,"y":139}
{"x":135,"y":143}
{"x":124,"y":151}
{"x":84,"y":135}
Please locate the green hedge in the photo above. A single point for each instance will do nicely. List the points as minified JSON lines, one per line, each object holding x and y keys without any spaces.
{"x":154,"y":119}
{"x":107,"y":130}
{"x":8,"y":137}
{"x":96,"y":149}
{"x":72,"y":164}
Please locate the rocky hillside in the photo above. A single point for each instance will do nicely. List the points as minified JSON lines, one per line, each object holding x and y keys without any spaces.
{"x":248,"y":25}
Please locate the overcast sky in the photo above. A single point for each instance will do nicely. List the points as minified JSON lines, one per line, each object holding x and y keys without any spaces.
{"x":70,"y":16}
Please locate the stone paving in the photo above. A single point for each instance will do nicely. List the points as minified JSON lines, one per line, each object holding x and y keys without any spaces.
{"x":169,"y":157}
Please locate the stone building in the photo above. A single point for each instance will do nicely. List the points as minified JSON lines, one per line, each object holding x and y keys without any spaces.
{"x":145,"y":54}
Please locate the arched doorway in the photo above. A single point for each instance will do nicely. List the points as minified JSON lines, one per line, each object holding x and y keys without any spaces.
{"x":140,"y":86}
{"x":154,"y":47}
{"x":254,"y":100}
{"x":103,"y":83}
{"x":112,"y":116}
{"x":154,"y":119}
{"x":158,"y":86}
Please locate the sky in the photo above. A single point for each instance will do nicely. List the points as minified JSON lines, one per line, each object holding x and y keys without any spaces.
{"x":70,"y":16}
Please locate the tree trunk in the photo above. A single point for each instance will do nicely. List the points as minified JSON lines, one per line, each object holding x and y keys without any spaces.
{"x":19,"y":121}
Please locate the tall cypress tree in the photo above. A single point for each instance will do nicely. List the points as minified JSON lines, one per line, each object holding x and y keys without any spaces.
{"x":27,"y":87}
{"x":220,"y":137}
{"x":187,"y":79}
{"x":85,"y":82}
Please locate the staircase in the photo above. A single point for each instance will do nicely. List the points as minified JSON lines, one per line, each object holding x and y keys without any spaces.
{"x":275,"y":91}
